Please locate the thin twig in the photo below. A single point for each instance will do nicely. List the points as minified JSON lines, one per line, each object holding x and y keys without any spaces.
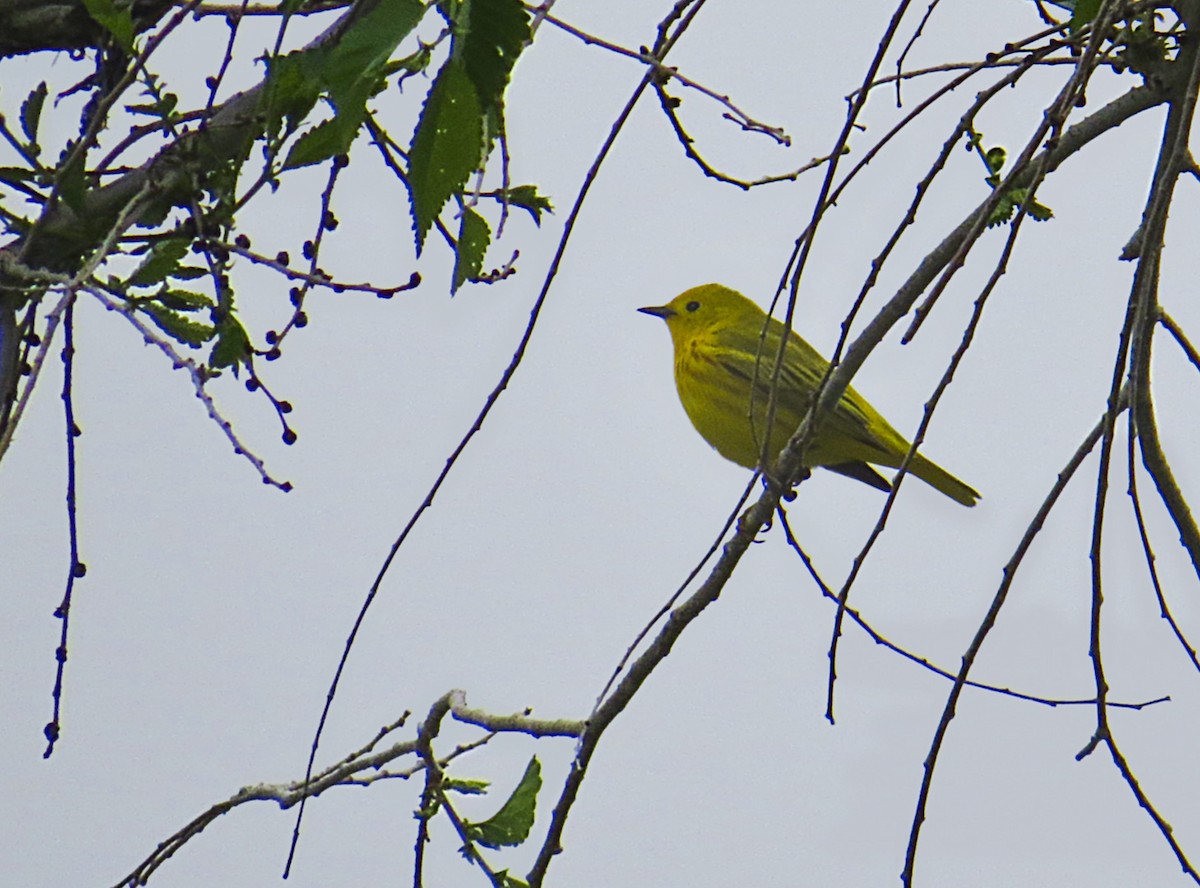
{"x":880,"y":639}
{"x":76,"y":569}
{"x":199,"y":382}
{"x":927,"y":416}
{"x":1148,"y":552}
{"x":960,"y":680}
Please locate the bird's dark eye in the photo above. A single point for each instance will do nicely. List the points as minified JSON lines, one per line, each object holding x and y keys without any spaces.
{"x":692,"y":306}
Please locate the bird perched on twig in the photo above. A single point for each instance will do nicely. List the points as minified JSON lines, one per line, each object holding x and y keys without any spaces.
{"x":725,"y":350}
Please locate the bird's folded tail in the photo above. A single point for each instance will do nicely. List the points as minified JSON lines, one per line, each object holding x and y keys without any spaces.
{"x":938,"y":478}
{"x":929,"y":472}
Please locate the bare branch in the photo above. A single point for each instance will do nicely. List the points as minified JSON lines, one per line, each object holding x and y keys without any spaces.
{"x":362,"y":767}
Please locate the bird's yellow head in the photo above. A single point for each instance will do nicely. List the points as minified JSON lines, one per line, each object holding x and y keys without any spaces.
{"x":704,"y":310}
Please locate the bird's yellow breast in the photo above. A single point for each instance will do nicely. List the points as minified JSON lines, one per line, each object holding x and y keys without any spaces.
{"x":719,"y":400}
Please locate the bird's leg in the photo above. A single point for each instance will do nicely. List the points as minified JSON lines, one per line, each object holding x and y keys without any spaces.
{"x":787,"y":492}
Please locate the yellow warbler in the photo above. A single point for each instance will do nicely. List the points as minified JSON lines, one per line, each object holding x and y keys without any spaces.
{"x":723,"y":371}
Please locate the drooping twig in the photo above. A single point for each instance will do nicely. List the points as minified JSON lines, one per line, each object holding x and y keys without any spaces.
{"x":880,"y":639}
{"x":1009,"y":573}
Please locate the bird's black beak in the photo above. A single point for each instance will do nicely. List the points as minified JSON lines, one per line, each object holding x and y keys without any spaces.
{"x":659,"y":311}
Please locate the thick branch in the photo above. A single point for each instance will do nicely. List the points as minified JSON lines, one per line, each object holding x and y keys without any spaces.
{"x":37,"y":26}
{"x":64,"y":237}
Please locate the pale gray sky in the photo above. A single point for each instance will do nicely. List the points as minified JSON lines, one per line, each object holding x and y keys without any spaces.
{"x":214,"y":609}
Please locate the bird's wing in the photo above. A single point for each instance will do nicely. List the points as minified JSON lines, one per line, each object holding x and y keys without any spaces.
{"x":802,"y":371}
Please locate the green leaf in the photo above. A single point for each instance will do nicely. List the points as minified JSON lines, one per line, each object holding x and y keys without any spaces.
{"x":161,"y":263}
{"x":184,"y":300}
{"x":1083,"y":14}
{"x":446,"y":147}
{"x":995,"y":158}
{"x":350,"y":71}
{"x":1007,"y":207}
{"x":497,"y":32}
{"x":31,"y":114}
{"x":158,"y":205}
{"x":292,"y":88}
{"x":511,"y":824}
{"x":1001,"y":213}
{"x":178,"y":327}
{"x":116,"y":20}
{"x":72,"y":184}
{"x":527,"y":198}
{"x":161,"y":108}
{"x":493,"y":126}
{"x":232,"y":347}
{"x":474,"y":235}
{"x":1039,"y":212}
{"x":17,"y":175}
{"x":323,"y":141}
{"x":189,"y":272}
{"x":1142,"y":48}
{"x":466,"y":787}
{"x":365,"y":48}
{"x":504,"y":880}
{"x":412,"y":64}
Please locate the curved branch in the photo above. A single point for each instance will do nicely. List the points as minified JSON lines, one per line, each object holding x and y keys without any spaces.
{"x":1155,"y":460}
